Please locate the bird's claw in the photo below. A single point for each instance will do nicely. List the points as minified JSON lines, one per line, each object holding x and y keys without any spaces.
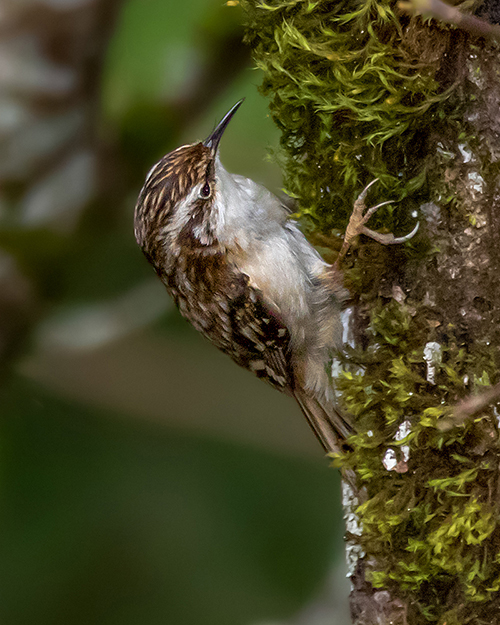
{"x":357,"y":226}
{"x":389,"y":238}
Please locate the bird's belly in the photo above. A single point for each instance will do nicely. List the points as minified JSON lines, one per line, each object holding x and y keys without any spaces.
{"x":284,"y":285}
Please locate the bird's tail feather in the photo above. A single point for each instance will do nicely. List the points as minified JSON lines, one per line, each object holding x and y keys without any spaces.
{"x":329,"y":426}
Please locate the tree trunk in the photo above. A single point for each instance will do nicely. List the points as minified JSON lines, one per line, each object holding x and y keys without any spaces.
{"x":364,"y":91}
{"x":51,"y":156}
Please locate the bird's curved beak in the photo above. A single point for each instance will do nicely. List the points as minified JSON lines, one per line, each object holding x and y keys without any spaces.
{"x":213,"y":140}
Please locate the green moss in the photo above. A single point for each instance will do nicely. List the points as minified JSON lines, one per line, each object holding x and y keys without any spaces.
{"x":431,"y":525}
{"x":355,"y":96}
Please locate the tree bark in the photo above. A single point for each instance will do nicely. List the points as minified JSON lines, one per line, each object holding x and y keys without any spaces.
{"x":364,"y":91}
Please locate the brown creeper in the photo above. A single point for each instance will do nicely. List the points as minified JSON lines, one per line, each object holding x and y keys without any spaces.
{"x":245,"y":276}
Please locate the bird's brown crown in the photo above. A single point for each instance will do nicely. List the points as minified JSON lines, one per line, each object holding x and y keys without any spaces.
{"x":168,"y":184}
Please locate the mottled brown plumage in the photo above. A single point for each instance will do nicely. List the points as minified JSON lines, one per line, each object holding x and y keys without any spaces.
{"x":245,"y":277}
{"x":225,"y":308}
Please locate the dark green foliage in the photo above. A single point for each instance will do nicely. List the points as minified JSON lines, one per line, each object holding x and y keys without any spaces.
{"x":112,"y":521}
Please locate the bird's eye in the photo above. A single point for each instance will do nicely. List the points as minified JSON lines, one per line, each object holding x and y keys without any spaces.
{"x":205,"y":191}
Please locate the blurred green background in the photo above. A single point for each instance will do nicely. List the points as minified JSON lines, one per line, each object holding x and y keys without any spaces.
{"x":145,"y":478}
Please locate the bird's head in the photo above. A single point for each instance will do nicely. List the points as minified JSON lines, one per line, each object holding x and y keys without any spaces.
{"x":178,"y":195}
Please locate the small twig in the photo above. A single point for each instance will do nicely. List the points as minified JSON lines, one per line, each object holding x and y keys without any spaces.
{"x":451,"y":15}
{"x":469,"y":407}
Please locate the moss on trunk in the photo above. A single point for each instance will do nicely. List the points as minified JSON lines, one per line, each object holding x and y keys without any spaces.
{"x":362,"y":91}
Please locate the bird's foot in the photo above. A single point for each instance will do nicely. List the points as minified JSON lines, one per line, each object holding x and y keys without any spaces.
{"x":357,"y":226}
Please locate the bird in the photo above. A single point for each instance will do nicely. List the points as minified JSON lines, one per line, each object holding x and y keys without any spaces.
{"x":241,"y":271}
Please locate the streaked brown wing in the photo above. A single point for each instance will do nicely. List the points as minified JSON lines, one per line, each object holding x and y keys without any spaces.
{"x":263,"y":339}
{"x":266,"y":344}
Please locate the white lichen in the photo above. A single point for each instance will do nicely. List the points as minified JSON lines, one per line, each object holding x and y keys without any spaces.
{"x":391,"y":461}
{"x":350,"y":503}
{"x":433,"y":355}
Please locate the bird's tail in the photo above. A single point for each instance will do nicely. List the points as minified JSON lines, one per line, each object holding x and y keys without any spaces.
{"x":329,"y":426}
